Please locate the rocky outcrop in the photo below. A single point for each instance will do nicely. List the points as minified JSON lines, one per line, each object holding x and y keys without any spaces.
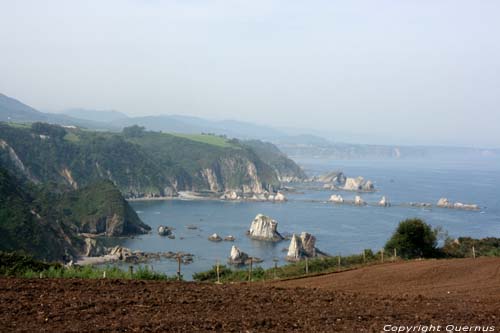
{"x":358,"y":201}
{"x":165,"y":231}
{"x":358,"y":184}
{"x":280,"y":197}
{"x":445,"y":203}
{"x":229,"y":238}
{"x":264,"y":228}
{"x":336,"y":198}
{"x":303,"y":246}
{"x":92,"y":248}
{"x":215,"y":238}
{"x":384,"y":202}
{"x":336,"y":178}
{"x":264,"y":196}
{"x":231,"y":195}
{"x":237,"y":257}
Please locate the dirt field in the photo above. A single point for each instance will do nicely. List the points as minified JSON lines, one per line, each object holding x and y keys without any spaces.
{"x":453,"y":292}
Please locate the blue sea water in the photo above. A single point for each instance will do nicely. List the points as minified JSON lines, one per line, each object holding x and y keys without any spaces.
{"x":343,"y":229}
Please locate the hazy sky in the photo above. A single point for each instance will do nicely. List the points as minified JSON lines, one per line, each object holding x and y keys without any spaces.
{"x":422,"y":71}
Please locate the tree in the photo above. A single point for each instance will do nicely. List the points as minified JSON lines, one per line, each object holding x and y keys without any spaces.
{"x":414,"y":239}
{"x":134,"y":131}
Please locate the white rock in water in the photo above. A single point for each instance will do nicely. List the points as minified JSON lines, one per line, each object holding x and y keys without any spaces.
{"x":280,"y":197}
{"x":302,"y":247}
{"x":358,"y":184}
{"x":443,"y":202}
{"x":215,"y":238}
{"x":358,"y":201}
{"x":237,"y":257}
{"x":164,"y":231}
{"x":384,"y":202}
{"x":264,"y":228}
{"x":337,"y":198}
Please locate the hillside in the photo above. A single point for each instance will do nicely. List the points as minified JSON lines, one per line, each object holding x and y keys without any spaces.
{"x":139,"y":163}
{"x":45,"y":221}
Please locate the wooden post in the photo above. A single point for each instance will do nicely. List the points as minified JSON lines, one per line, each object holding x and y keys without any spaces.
{"x":131,"y":271}
{"x":218,"y":273}
{"x":395,"y":255}
{"x":382,"y":255}
{"x":364,"y":256}
{"x":41,"y":275}
{"x":104,"y":274}
{"x":275,"y":268}
{"x":338,"y":262}
{"x":473,"y":252}
{"x":250,"y":270}
{"x":307,"y":265}
{"x":178,"y":268}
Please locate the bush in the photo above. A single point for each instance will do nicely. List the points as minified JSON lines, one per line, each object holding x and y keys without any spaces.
{"x":414,"y":239}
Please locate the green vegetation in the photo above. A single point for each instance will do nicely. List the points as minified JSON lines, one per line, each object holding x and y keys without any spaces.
{"x":210,"y":139}
{"x":45,"y":220}
{"x":414,"y":239}
{"x":315,"y":266}
{"x":16,"y":265}
{"x":466,"y":247}
{"x":140,"y":163}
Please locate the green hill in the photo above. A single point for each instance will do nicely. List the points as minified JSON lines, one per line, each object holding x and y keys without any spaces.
{"x":138,"y":162}
{"x":46,"y":222}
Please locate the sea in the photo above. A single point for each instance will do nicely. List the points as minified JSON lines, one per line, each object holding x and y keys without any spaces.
{"x":339,"y":228}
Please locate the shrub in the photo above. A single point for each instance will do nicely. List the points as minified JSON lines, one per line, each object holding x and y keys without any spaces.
{"x":414,"y":239}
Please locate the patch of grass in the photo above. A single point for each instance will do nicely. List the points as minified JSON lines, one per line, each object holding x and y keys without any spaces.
{"x":210,"y":139}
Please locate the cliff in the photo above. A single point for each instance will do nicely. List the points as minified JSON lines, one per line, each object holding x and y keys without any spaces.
{"x":139,"y":163}
{"x":46,"y":221}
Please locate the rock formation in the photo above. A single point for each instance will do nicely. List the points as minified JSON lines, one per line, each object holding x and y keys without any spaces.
{"x":215,"y":238}
{"x":384,"y":202}
{"x":358,"y":184}
{"x":333,"y":178}
{"x":280,"y":197}
{"x":237,"y":256}
{"x":92,"y":248}
{"x":229,"y":238}
{"x":302,"y":247}
{"x":336,"y":198}
{"x":164,"y":231}
{"x":358,"y":201}
{"x":264,"y":228}
{"x":445,"y":203}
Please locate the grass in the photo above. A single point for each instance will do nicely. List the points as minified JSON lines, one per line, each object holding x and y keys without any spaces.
{"x":292,"y":270}
{"x":213,"y":140}
{"x":89,"y":272}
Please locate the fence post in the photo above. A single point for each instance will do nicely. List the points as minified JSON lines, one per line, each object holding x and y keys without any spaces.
{"x":218,"y":273}
{"x":104,"y":274}
{"x":275,"y":268}
{"x":382,"y":255}
{"x":364,"y":256}
{"x":250,"y":270}
{"x":338,"y":262}
{"x":473,"y":252}
{"x":178,"y":268}
{"x":307,"y":266}
{"x":395,"y":254}
{"x":131,"y":271}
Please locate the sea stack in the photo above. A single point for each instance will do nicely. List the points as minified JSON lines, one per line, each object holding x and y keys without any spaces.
{"x":237,"y":257}
{"x":384,"y":202}
{"x":358,"y":201}
{"x":302,"y":247}
{"x":264,"y":228}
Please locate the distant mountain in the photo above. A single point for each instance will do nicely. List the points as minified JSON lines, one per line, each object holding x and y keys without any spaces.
{"x":101,"y":116}
{"x":12,"y":110}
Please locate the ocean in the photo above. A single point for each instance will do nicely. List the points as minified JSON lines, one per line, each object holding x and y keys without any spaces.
{"x":339,"y":229}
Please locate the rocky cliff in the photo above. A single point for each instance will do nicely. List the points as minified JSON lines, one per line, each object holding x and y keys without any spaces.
{"x":303,"y":246}
{"x":139,"y":163}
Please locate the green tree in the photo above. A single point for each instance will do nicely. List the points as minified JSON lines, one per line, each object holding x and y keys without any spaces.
{"x":413,"y":239}
{"x":134,"y":131}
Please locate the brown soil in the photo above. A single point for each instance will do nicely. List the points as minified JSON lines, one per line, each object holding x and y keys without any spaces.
{"x":456,"y":292}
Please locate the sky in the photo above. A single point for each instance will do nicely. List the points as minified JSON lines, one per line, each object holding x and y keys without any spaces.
{"x":398,"y":72}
